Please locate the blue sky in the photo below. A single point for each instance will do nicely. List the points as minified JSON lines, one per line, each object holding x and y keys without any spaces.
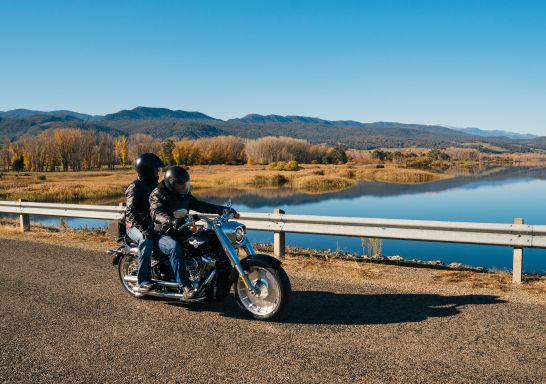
{"x":459,"y":63}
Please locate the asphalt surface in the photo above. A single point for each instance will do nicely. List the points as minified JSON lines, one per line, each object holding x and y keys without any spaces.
{"x":65,"y":318}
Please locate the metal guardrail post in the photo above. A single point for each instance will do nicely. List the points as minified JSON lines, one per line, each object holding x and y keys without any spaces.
{"x":518,"y":259}
{"x":279,"y":242}
{"x":24,"y":220}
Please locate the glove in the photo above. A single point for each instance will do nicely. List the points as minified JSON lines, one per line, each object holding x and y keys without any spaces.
{"x":232,"y":212}
{"x":146,"y":234}
{"x":175,"y":223}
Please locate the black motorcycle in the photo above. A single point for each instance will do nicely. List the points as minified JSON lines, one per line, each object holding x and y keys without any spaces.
{"x":211,"y":253}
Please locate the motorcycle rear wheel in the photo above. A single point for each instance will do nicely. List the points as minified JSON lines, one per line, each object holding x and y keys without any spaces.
{"x":128,"y":266}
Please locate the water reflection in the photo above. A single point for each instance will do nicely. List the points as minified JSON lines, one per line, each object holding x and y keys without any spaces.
{"x":259,"y":198}
{"x":498,"y":196}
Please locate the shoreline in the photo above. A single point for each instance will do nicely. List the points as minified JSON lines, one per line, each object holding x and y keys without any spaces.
{"x":89,"y":186}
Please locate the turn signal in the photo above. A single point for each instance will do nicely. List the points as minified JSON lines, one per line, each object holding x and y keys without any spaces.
{"x":193,"y":228}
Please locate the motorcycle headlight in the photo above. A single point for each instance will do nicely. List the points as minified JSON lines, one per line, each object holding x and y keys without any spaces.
{"x":240,"y":233}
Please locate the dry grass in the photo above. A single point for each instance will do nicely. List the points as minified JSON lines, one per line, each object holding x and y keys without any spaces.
{"x":64,"y":186}
{"x":494,"y":280}
{"x":317,"y":183}
{"x":398,"y":175}
{"x":88,"y":239}
{"x":103,"y":185}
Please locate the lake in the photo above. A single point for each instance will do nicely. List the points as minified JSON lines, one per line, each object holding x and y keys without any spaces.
{"x":497,"y":197}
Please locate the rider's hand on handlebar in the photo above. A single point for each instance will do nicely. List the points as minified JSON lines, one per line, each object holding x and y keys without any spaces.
{"x":176,"y":223}
{"x":232,"y":212}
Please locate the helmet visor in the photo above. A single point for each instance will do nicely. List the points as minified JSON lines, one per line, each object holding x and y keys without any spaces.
{"x":182,"y":187}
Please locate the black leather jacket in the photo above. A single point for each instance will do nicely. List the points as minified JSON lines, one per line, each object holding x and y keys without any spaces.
{"x":163,"y":202}
{"x":137,"y":213}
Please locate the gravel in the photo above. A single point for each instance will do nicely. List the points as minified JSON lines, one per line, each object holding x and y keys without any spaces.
{"x":65,"y":318}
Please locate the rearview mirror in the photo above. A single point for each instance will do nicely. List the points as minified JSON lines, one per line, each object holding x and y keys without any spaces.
{"x":180,"y":213}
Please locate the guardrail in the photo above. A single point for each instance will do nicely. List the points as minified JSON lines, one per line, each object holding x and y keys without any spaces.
{"x":517,"y":235}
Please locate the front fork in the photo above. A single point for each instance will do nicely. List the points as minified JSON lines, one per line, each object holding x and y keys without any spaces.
{"x":231,"y":252}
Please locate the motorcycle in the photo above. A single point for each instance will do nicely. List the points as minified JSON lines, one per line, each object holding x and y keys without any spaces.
{"x":259,"y":283}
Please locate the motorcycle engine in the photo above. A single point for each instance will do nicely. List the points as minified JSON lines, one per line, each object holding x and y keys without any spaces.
{"x":193,"y":268}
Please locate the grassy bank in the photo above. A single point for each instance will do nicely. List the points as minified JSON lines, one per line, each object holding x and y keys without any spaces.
{"x":103,"y":185}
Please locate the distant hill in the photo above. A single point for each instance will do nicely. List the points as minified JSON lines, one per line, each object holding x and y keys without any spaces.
{"x":264,"y":119}
{"x":495,"y":133}
{"x":165,"y":123}
{"x":15,"y":128}
{"x":146,"y":113}
{"x":22,"y":113}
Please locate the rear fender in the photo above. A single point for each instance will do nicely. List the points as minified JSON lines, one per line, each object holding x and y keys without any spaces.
{"x":116,"y":254}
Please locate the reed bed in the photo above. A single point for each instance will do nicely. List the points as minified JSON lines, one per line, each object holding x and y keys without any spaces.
{"x":103,"y":185}
{"x":317,"y":184}
{"x":398,"y":175}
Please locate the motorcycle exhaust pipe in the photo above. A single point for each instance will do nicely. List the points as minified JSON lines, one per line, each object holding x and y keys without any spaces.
{"x":170,"y":295}
{"x":169,"y":284}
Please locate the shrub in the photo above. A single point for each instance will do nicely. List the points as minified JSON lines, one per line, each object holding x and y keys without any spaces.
{"x":292,"y":166}
{"x":349,"y":174}
{"x":41,"y":177}
{"x":276,"y":180}
{"x":335,"y":156}
{"x":321,"y":184}
{"x":419,"y":162}
{"x":284,"y":166}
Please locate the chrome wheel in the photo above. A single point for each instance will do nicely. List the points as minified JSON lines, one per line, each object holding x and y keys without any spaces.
{"x":128,"y":266}
{"x":268,"y":298}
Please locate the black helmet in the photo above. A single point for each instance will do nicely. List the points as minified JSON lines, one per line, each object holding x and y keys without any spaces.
{"x":146,"y":164}
{"x":177,"y":179}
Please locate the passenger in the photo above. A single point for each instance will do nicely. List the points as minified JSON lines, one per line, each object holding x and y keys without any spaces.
{"x":137,"y":215}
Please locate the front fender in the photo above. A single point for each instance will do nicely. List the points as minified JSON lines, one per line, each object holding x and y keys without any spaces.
{"x":257,"y":259}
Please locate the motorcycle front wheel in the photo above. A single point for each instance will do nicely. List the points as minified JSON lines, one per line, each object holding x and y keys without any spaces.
{"x":128,"y":266}
{"x":274,"y":291}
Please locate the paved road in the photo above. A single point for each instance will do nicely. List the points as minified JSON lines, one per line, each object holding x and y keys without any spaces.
{"x":65,"y":319}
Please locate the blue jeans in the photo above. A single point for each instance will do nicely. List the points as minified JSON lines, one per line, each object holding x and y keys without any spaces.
{"x":173,"y":249}
{"x":145,"y":247}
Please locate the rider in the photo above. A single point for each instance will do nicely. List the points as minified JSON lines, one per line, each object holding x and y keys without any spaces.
{"x":137,"y":214}
{"x":172,"y":194}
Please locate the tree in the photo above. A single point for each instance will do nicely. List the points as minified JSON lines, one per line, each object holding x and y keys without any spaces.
{"x":186,"y":152}
{"x":140,"y":143}
{"x":6,"y":154}
{"x":18,"y":163}
{"x":166,"y":152}
{"x":120,"y":146}
{"x":335,"y":156}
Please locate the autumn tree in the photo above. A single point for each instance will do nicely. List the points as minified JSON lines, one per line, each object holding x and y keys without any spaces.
{"x":166,"y":152}
{"x":121,"y":150}
{"x":271,"y":149}
{"x":140,"y":143}
{"x":186,"y":152}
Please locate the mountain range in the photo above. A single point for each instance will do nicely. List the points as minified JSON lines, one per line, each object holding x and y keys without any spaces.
{"x":166,"y":123}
